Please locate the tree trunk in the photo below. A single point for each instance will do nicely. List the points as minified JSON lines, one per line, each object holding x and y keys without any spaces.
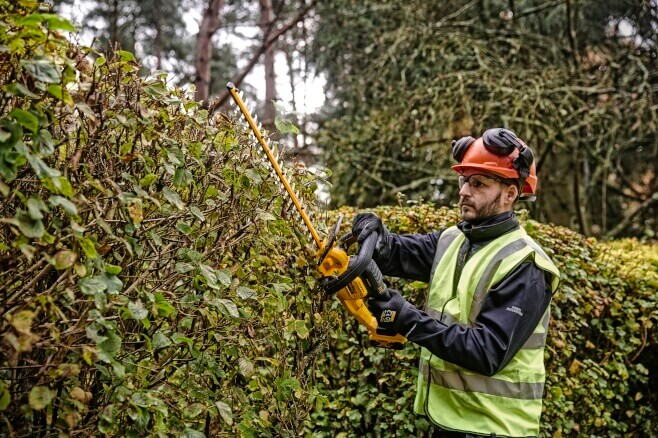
{"x":254,"y":59}
{"x":266,"y":24}
{"x":158,"y":34}
{"x":209,"y":25}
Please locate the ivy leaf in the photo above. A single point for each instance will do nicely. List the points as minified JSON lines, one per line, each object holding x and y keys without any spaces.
{"x":64,"y":259}
{"x":40,"y":397}
{"x":301,"y":329}
{"x":173,"y":198}
{"x":35,"y":206}
{"x":91,"y":285}
{"x":25,"y":119}
{"x":184,"y":227}
{"x":183,"y":177}
{"x":32,"y":228}
{"x":68,"y":206}
{"x":5,"y":396}
{"x":231,"y":308}
{"x":225,"y":412}
{"x":88,"y":247}
{"x":160,"y":340}
{"x":246,"y":367}
{"x":42,"y":69}
{"x":109,"y":347}
{"x":224,"y":276}
{"x":137,"y":310}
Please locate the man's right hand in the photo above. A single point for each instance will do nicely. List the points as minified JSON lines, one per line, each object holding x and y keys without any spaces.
{"x":366,"y":223}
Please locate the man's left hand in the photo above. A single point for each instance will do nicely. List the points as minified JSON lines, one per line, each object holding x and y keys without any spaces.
{"x":390,"y":314}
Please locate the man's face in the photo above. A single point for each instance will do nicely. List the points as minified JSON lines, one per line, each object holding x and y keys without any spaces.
{"x":483,"y":195}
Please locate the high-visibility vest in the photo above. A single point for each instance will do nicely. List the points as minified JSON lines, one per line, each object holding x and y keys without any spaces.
{"x":508,"y":403}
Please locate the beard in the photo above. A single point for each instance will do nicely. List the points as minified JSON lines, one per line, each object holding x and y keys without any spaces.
{"x":476,"y":214}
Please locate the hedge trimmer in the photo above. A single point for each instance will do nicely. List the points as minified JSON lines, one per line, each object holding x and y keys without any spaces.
{"x":352,"y":278}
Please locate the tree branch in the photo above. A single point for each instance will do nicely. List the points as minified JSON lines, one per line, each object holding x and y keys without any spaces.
{"x":254,"y":59}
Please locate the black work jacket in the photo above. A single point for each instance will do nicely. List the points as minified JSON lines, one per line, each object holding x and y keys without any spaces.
{"x":498,"y":334}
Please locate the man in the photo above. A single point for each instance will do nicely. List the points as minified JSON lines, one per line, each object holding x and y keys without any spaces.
{"x":483,"y":329}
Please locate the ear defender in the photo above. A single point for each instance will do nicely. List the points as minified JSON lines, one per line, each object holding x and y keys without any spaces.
{"x":502,"y":142}
{"x":459,"y":147}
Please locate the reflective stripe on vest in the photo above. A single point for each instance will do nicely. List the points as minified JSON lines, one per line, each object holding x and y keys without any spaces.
{"x":509,"y":403}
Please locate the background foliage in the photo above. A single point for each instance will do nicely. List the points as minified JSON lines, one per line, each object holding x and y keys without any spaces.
{"x":406,"y":78}
{"x":153,"y":282}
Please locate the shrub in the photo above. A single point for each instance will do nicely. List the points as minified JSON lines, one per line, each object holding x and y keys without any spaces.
{"x":152,"y":281}
{"x":601,"y":351}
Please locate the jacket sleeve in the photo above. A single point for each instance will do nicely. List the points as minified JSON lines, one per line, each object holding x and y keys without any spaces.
{"x":509,"y":314}
{"x":407,"y":255}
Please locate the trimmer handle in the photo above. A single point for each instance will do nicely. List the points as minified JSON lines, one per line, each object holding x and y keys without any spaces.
{"x":357,"y":265}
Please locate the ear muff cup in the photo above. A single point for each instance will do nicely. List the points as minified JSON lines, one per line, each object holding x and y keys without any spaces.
{"x":459,"y":147}
{"x":502,"y":142}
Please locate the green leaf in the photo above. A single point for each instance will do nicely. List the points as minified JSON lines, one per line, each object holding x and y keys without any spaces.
{"x":182,"y":177}
{"x":209,"y":274}
{"x":137,"y":310}
{"x":285,"y":126}
{"x":112,"y":269}
{"x":40,"y":397}
{"x":224,"y":276}
{"x":91,"y":285}
{"x":196,"y":212}
{"x":42,"y":69}
{"x":193,"y":410}
{"x":5,"y":396}
{"x":225,"y":412}
{"x":164,"y":307}
{"x":26,"y":119}
{"x":184,"y":227}
{"x":191,"y":433}
{"x":182,"y":267}
{"x":301,"y":329}
{"x":68,"y":206}
{"x":109,"y":347}
{"x":245,"y":292}
{"x":112,"y":282}
{"x":231,"y":308}
{"x":125,"y":55}
{"x":18,"y":89}
{"x":88,"y":247}
{"x":32,"y":228}
{"x":35,"y":206}
{"x":173,"y":198}
{"x":160,"y":340}
{"x":60,"y":93}
{"x":148,"y":179}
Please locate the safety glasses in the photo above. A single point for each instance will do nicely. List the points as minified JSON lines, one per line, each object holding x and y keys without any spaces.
{"x":479,"y":182}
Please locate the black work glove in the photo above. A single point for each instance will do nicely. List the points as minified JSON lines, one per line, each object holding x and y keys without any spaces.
{"x":366,"y":223}
{"x":392,"y":314}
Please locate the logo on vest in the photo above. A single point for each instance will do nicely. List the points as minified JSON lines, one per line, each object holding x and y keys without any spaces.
{"x":387,"y":316}
{"x":516,"y":310}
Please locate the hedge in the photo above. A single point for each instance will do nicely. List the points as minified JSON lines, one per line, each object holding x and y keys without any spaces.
{"x":154,"y":281}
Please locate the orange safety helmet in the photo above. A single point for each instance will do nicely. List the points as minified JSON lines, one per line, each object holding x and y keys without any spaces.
{"x":501,"y":152}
